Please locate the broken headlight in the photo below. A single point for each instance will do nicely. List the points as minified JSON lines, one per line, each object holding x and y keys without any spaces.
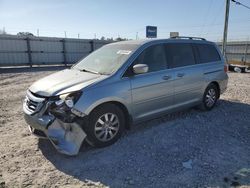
{"x":62,"y":106}
{"x":69,"y":99}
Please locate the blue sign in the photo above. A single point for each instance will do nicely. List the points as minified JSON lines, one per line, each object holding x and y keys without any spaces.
{"x":151,"y":31}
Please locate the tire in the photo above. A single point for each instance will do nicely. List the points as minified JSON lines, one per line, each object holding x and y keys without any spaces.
{"x":106,"y":125}
{"x":237,"y":69}
{"x":210,"y":97}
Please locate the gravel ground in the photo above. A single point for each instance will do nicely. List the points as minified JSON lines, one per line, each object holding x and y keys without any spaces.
{"x":184,"y":149}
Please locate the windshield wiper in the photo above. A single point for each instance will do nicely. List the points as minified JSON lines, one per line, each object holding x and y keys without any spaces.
{"x":85,"y":70}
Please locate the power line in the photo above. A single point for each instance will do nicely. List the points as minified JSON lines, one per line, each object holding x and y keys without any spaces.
{"x":239,"y":3}
{"x":216,"y":16}
{"x":205,"y":18}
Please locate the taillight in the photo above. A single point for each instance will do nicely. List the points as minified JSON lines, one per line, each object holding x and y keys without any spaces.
{"x":226,"y":68}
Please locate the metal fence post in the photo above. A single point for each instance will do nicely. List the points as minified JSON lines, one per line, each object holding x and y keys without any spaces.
{"x":245,"y":58}
{"x":64,"y":52}
{"x":29,"y":51}
{"x":92,"y":48}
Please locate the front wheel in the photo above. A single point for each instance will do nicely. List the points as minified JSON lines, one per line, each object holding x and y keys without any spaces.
{"x":210,"y":97}
{"x":106,"y":125}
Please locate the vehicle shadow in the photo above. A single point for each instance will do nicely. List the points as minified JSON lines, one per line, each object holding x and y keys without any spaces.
{"x":153,"y":153}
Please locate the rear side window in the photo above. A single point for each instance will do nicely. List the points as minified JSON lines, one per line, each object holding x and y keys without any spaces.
{"x":154,"y":57}
{"x":179,"y":55}
{"x":207,"y":53}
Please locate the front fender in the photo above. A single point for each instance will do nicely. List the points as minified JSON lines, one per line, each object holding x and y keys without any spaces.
{"x":115,"y":92}
{"x":106,"y":100}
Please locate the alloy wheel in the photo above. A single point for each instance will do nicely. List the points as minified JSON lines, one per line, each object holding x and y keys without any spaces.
{"x":106,"y":127}
{"x":210,"y":97}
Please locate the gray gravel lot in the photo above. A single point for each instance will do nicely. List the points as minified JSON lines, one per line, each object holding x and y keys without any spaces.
{"x":185,"y":149}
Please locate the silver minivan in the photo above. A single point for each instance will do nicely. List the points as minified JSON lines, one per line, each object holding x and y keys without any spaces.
{"x":120,"y":84}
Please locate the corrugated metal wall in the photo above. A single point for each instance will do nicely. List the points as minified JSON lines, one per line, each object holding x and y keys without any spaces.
{"x":238,"y":51}
{"x":18,"y":50}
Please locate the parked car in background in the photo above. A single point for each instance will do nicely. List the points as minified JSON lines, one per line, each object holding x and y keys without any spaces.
{"x":121,"y":84}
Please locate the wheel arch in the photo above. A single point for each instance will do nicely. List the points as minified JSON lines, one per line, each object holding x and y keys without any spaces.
{"x":128,"y":117}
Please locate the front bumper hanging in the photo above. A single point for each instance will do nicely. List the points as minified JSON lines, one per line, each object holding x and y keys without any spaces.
{"x":65,"y":137}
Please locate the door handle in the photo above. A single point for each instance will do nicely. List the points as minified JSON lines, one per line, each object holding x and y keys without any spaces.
{"x":166,"y":77}
{"x":180,"y":74}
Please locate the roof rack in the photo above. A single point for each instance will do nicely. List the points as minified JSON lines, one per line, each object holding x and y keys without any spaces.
{"x":190,"y":38}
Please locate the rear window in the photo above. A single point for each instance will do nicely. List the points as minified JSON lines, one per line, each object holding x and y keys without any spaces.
{"x":179,"y":55}
{"x":207,"y":53}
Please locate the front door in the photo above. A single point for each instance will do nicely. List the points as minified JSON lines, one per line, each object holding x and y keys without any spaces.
{"x":152,"y":92}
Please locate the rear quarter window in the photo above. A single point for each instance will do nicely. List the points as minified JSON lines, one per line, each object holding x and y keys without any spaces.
{"x":207,"y":53}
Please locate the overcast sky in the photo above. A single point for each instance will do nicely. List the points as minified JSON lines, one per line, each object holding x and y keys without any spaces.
{"x":113,"y":18}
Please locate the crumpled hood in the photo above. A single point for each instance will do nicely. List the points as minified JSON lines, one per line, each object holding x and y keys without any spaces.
{"x":64,"y":81}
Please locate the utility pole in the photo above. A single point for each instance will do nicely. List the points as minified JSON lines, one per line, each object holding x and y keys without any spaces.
{"x":37,"y":31}
{"x":65,"y":34}
{"x":224,"y":43}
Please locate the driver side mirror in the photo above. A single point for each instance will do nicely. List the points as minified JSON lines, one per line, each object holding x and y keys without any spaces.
{"x":140,"y":68}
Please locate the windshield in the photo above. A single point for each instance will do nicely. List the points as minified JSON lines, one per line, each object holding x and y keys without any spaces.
{"x":107,"y":59}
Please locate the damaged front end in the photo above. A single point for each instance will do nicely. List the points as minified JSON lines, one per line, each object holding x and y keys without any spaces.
{"x":55,"y":118}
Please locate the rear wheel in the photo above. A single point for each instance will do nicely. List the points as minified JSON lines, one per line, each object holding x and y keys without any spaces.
{"x":210,"y":97}
{"x":106,"y":125}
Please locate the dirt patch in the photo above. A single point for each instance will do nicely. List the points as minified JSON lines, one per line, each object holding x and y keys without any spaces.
{"x":184,"y":149}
